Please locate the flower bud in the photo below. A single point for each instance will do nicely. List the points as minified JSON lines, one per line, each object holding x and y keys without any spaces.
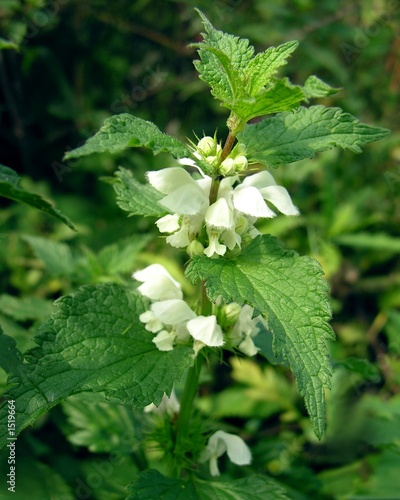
{"x":228,"y":167}
{"x":241,"y":163}
{"x":212,"y":160}
{"x":207,"y":146}
{"x":242,"y":225}
{"x":195,"y":248}
{"x":232,"y":312}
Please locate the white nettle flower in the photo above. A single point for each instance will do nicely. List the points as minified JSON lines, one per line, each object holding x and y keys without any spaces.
{"x":244,"y":330}
{"x":184,"y":195}
{"x":226,"y":218}
{"x":206,"y":330}
{"x":188,"y":198}
{"x":157,"y":283}
{"x":249,"y":196}
{"x":169,"y":405}
{"x":221,"y":442}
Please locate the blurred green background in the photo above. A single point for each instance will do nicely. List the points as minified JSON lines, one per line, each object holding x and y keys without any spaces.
{"x":80,"y":62}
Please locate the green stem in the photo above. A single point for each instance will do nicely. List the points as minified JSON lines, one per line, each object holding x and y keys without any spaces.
{"x":214,"y":190}
{"x":189,"y":393}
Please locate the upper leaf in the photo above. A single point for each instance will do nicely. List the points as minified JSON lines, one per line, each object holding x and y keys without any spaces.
{"x":126,"y":131}
{"x":299,"y":134}
{"x":315,"y":87}
{"x":94,"y":341}
{"x":281,"y":96}
{"x":136,"y":198}
{"x":242,"y":82}
{"x":266,"y":64}
{"x":9,"y":188}
{"x":290,"y":291}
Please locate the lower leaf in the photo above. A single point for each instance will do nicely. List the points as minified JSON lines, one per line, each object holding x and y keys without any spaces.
{"x":93,"y":341}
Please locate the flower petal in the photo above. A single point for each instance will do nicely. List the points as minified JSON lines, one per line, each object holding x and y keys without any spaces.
{"x":219,"y":215}
{"x":160,"y":288}
{"x":164,"y":340}
{"x":168,"y":224}
{"x":214,"y":246}
{"x":249,"y":201}
{"x":172,"y":312}
{"x":278,"y":196}
{"x":207,"y":330}
{"x":188,"y":199}
{"x":238,"y":451}
{"x":259,"y":180}
{"x":168,"y":180}
{"x":153,"y":271}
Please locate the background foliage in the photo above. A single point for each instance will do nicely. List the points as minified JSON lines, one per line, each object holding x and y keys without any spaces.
{"x":80,"y":62}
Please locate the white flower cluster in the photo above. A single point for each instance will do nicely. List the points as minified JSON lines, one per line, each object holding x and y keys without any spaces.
{"x":170,"y":317}
{"x":174,"y":322}
{"x":237,"y":207}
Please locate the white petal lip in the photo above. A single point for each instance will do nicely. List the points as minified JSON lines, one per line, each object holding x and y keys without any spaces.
{"x":164,"y":341}
{"x":206,"y":330}
{"x":153,"y":271}
{"x":168,"y":180}
{"x":259,"y":180}
{"x":219,"y":215}
{"x":160,"y":288}
{"x":249,"y":201}
{"x":172,"y":312}
{"x":187,"y":199}
{"x":237,"y":450}
{"x":168,"y":224}
{"x":278,"y":196}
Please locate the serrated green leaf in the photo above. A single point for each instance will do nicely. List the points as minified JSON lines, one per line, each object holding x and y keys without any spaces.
{"x":39,"y":480}
{"x":314,"y":87}
{"x":10,"y":357}
{"x":25,"y":308}
{"x":94,"y":341}
{"x":223,"y":60}
{"x":9,"y":188}
{"x":151,"y":484}
{"x":290,"y":291}
{"x":98,"y":425}
{"x":120,"y":257}
{"x":265,"y":64}
{"x":282,"y":96}
{"x":256,"y":487}
{"x":56,"y":256}
{"x":124,"y":131}
{"x":244,"y":84}
{"x":299,"y":134}
{"x":136,"y":198}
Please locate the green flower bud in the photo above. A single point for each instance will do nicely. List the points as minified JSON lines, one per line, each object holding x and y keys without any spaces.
{"x":241,"y":163}
{"x":195,"y":248}
{"x":212,"y":160}
{"x":242,"y":225}
{"x":232,"y":312}
{"x":207,"y":146}
{"x":227,"y":167}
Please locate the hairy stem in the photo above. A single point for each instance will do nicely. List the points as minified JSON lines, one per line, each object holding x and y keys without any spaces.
{"x":183,"y":424}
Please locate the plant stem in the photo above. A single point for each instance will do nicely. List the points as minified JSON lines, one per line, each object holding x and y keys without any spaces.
{"x":189,"y":393}
{"x":230,"y":141}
